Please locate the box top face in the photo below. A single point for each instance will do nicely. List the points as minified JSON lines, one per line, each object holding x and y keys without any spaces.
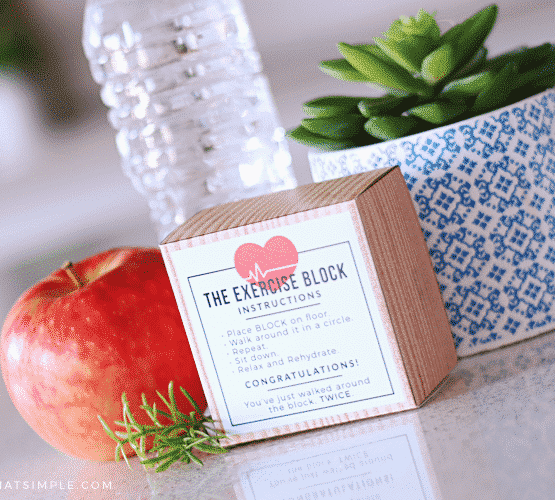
{"x":271,"y":206}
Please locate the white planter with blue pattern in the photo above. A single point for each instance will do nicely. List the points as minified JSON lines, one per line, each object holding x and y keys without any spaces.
{"x":484,"y":190}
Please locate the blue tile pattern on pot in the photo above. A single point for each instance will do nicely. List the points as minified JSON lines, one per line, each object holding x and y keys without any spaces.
{"x":484,"y":191}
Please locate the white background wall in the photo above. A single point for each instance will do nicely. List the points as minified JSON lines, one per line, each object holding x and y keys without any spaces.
{"x":62,"y":192}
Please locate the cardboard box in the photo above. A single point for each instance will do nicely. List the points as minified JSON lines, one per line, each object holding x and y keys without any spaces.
{"x":311,"y":307}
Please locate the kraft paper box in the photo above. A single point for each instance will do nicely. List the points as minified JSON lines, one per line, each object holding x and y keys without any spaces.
{"x":310,"y":307}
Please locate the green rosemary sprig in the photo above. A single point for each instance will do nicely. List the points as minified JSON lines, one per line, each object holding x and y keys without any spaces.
{"x":172,"y":443}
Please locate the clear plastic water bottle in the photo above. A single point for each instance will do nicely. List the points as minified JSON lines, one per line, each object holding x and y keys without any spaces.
{"x":195,"y":118}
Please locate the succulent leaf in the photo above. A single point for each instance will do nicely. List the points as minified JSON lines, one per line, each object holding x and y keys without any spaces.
{"x":342,"y":70}
{"x":427,"y":24}
{"x":438,"y":64}
{"x":373,"y":49}
{"x":540,"y":84}
{"x":395,"y":31}
{"x":408,"y":40}
{"x":392,"y":127}
{"x":470,"y":85}
{"x":526,"y":58}
{"x":498,"y":91}
{"x":423,"y":25}
{"x":382,"y":72}
{"x":335,"y":127}
{"x":304,"y":136}
{"x":439,"y":112}
{"x":324,"y":107}
{"x":538,"y":77}
{"x":408,"y":53}
{"x":468,"y":37}
{"x":477,"y":63}
{"x":387,"y":105}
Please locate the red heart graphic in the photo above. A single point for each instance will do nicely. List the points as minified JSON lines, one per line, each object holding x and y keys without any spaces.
{"x":271,"y":264}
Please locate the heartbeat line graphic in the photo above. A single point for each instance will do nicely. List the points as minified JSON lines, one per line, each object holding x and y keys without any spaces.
{"x":258,"y":272}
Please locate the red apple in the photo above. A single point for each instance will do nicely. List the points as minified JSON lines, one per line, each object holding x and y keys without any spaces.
{"x":74,"y":342}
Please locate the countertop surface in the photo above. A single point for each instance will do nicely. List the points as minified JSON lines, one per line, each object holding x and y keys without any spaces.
{"x":488,"y":432}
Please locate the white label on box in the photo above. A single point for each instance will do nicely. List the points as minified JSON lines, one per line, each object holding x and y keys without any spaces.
{"x":287,"y":325}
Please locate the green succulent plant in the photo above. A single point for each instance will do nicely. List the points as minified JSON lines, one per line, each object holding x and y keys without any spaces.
{"x":430,"y":79}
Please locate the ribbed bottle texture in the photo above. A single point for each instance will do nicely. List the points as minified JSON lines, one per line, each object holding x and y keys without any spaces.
{"x":195,"y":118}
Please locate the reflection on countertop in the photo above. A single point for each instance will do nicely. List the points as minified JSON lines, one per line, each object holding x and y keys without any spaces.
{"x":487,"y":433}
{"x":369,"y":461}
